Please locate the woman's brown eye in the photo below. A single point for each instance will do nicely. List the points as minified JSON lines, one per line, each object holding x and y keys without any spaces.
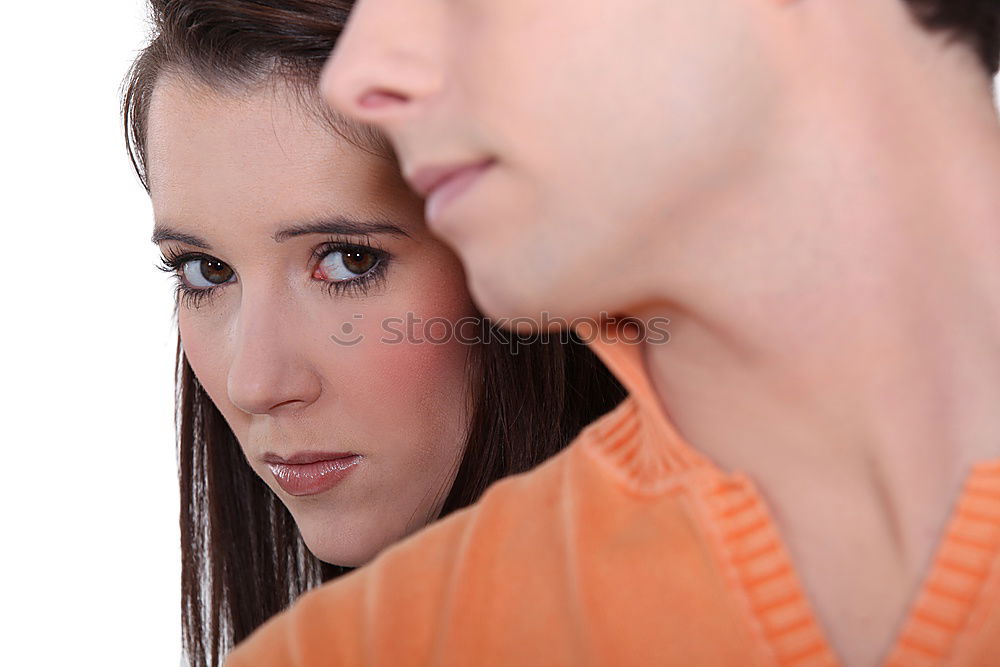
{"x":359,"y":261}
{"x":206,"y":273}
{"x":345,"y":264}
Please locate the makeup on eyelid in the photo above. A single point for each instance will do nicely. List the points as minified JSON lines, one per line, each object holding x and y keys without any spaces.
{"x":177,"y":262}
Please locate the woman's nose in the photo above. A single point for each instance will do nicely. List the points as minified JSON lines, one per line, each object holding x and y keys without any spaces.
{"x":384,"y":65}
{"x":270,"y":368}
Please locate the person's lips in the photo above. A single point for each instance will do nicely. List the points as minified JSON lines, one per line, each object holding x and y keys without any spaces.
{"x":442,"y":185}
{"x":309,"y":473}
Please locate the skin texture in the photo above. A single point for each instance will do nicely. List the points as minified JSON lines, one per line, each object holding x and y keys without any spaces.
{"x":232,"y":169}
{"x":470,"y":94}
{"x":802,"y":188}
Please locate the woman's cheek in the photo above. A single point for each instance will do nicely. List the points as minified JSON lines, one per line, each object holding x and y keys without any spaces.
{"x":205,"y":351}
{"x":414,"y":381}
{"x":200,"y":351}
{"x":414,"y":368}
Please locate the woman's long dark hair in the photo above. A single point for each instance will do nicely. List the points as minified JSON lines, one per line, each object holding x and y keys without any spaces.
{"x":243,"y":559}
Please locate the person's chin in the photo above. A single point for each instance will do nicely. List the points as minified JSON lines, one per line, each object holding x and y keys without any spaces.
{"x":336,"y":536}
{"x":341,"y":552}
{"x":511,"y":296}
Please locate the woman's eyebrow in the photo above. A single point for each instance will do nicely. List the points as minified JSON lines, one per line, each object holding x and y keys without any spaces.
{"x":164,"y":233}
{"x":338,"y":225}
{"x":341,"y":225}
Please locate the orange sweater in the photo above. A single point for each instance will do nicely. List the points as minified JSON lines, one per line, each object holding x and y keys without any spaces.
{"x":628,"y":548}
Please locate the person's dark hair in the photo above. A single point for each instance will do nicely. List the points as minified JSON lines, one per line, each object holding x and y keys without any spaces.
{"x":975,"y":22}
{"x":243,"y":559}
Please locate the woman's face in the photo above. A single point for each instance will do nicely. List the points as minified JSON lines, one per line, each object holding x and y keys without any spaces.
{"x":306,"y":256}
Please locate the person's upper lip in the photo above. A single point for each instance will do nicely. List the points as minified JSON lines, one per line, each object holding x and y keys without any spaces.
{"x":303,"y":458}
{"x":427,"y":179}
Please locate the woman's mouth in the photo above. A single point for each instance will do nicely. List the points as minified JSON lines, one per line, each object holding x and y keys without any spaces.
{"x":309,"y":473}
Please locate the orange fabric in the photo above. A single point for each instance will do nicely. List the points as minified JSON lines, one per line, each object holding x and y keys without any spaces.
{"x":628,"y":548}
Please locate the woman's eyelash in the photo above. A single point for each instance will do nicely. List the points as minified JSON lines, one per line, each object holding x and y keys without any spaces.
{"x":362,"y":284}
{"x":173,"y":262}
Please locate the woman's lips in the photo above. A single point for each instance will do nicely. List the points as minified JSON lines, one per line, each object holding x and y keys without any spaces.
{"x":310,"y":473}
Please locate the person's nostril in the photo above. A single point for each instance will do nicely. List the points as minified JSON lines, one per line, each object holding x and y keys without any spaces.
{"x":380,"y":99}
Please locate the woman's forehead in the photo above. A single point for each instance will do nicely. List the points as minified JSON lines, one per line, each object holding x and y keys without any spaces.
{"x":260,"y":155}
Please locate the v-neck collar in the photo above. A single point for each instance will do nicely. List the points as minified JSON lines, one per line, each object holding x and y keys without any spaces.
{"x":652,"y":456}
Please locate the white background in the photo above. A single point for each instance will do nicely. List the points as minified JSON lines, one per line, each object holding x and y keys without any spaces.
{"x":91,"y":562}
{"x":90,"y":570}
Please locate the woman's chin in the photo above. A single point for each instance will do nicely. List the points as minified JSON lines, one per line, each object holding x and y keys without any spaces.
{"x":347,"y":539}
{"x":342,"y":552}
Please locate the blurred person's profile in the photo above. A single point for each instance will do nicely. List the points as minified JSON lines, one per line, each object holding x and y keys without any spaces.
{"x":808,"y":473}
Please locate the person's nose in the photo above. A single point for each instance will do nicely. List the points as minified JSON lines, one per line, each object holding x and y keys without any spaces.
{"x":386,"y":63}
{"x":269,"y":368}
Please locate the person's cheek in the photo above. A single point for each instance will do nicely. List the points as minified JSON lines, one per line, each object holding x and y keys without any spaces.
{"x":423,"y":374}
{"x":206,"y":349}
{"x":410,"y":382}
{"x":205,"y":354}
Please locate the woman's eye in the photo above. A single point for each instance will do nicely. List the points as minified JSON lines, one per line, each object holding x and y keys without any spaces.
{"x":345,"y":264}
{"x":206,"y":273}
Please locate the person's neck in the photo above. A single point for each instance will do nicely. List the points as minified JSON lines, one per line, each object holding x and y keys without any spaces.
{"x":842,"y":347}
